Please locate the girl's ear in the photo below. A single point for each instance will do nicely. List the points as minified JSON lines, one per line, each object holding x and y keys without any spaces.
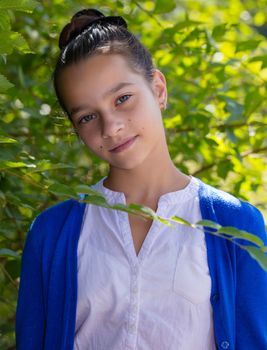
{"x":159,"y":87}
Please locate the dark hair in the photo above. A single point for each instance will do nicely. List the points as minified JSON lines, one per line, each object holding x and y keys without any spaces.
{"x":90,"y":33}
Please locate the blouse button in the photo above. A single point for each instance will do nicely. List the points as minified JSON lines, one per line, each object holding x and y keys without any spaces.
{"x":135,"y":308}
{"x":135,"y":270}
{"x":135,"y":289}
{"x":225,"y":345}
{"x":132,"y":327}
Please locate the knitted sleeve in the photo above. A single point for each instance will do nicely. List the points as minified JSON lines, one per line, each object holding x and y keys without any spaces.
{"x":30,"y":318}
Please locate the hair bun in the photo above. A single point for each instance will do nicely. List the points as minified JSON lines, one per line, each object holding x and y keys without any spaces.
{"x":84,"y":19}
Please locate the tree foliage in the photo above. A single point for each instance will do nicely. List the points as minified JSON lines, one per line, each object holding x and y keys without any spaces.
{"x":213,"y":55}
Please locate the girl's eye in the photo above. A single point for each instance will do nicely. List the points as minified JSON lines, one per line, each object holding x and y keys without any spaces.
{"x":86,"y":119}
{"x":123,"y":98}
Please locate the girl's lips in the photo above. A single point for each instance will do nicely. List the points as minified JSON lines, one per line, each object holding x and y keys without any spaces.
{"x":123,"y":145}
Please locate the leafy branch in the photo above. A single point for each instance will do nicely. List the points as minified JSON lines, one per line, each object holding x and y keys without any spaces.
{"x":253,"y":244}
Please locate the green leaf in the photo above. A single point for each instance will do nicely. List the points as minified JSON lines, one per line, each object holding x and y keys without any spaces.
{"x":224,"y":168}
{"x":209,"y":224}
{"x":127,"y":209}
{"x":4,"y":20}
{"x":45,"y":165}
{"x":13,"y":40}
{"x":4,"y":139}
{"x":4,"y":84}
{"x":193,"y":35}
{"x":6,"y":46}
{"x":234,"y":108}
{"x":19,"y":43}
{"x":162,"y":6}
{"x":9,"y":253}
{"x":180,"y":221}
{"x":18,"y":5}
{"x":62,"y":190}
{"x":219,"y":31}
{"x":251,"y":44}
{"x":164,"y":221}
{"x":258,"y":255}
{"x":253,"y":101}
{"x":240,"y":234}
{"x":84,"y":189}
{"x":188,"y":23}
{"x":260,"y":58}
{"x":26,"y":211}
{"x":120,"y":206}
{"x":5,"y":164}
{"x":97,"y":200}
{"x":142,"y":210}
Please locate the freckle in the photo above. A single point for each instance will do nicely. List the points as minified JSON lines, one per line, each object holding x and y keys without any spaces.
{"x":129,"y":120}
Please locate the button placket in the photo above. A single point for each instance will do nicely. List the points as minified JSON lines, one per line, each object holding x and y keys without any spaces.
{"x":133,"y":311}
{"x":134,"y":308}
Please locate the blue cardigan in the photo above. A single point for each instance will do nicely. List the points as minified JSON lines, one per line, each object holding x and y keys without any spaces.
{"x":46,"y":309}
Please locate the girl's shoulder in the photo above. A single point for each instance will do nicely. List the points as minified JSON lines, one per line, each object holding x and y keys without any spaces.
{"x":55,"y":213}
{"x":63,"y":217}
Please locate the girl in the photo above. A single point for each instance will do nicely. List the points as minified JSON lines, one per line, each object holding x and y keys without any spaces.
{"x":100,"y":279}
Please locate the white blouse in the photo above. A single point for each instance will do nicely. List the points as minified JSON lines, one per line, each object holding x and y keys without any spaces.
{"x":158,"y":300}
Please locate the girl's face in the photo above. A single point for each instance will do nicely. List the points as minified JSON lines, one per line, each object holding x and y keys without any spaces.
{"x":115,"y":111}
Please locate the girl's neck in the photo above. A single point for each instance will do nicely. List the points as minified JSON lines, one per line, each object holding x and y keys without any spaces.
{"x":147,"y":182}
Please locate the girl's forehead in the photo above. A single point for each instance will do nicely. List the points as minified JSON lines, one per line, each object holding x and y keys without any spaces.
{"x":101,"y":72}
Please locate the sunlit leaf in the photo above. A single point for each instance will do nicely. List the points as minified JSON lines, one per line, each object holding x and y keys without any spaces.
{"x":240,"y":234}
{"x":13,"y":40}
{"x":9,"y":253}
{"x":180,"y":221}
{"x":4,"y":164}
{"x":209,"y":224}
{"x":260,"y":58}
{"x":142,"y":209}
{"x":4,"y":139}
{"x":4,"y":84}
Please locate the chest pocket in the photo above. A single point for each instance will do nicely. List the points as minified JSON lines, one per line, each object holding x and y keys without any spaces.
{"x":192,"y":279}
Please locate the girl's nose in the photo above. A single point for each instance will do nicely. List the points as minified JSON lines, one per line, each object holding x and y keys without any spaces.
{"x":111,"y":126}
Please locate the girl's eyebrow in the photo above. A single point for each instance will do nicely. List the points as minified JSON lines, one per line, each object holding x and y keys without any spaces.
{"x":111,"y":91}
{"x":117,"y":88}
